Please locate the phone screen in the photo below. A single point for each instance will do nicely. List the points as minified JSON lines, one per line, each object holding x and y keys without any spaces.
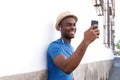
{"x":94,"y":22}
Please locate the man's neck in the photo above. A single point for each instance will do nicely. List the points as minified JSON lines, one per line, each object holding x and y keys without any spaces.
{"x":67,"y":40}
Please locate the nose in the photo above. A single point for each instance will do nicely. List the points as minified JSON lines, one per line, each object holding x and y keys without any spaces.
{"x":73,"y":27}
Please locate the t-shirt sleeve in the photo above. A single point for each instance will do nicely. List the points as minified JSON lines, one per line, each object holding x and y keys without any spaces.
{"x":54,"y":49}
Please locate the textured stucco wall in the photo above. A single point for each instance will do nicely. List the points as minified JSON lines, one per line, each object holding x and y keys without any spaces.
{"x":94,"y":71}
{"x":39,"y":75}
{"x":90,"y":71}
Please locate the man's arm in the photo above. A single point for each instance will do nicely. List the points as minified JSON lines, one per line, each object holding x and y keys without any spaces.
{"x":69,"y":64}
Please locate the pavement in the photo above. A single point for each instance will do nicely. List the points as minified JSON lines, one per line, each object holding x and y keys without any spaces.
{"x":115,"y":71}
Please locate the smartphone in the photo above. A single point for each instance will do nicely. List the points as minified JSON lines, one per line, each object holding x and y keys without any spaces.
{"x":94,"y":22}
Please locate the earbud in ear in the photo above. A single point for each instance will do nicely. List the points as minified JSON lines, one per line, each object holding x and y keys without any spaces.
{"x":59,"y":29}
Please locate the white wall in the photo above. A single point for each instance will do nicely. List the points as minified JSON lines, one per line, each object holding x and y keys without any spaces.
{"x":117,"y":20}
{"x":27,"y":27}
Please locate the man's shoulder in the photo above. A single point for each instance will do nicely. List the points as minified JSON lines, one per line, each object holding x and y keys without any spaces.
{"x":58,"y":41}
{"x":55,"y":43}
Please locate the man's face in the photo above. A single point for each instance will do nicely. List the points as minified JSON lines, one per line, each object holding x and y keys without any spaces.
{"x":68,"y":27}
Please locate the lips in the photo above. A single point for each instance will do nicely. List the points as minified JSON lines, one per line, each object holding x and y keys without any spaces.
{"x":71,"y":32}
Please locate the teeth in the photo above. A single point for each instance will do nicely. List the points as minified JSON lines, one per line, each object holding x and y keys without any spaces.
{"x":72,"y":32}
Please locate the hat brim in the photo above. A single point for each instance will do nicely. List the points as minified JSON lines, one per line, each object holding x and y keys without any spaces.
{"x":63,"y":16}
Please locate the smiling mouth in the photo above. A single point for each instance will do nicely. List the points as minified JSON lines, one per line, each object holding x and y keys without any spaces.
{"x":72,"y":32}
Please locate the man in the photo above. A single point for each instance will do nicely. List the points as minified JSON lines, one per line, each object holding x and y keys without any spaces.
{"x":61,"y":58}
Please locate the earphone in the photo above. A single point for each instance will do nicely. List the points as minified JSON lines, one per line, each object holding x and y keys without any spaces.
{"x":59,"y":29}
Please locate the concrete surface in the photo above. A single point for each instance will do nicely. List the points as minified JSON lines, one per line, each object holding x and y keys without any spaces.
{"x":115,"y":71}
{"x":90,"y":71}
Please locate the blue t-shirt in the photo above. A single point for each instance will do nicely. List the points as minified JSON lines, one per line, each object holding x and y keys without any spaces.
{"x":56,"y":48}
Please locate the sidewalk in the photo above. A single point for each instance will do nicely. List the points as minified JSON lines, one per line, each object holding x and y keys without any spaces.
{"x":115,"y":72}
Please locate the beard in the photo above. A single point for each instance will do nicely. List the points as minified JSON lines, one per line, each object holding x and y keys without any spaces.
{"x":67,"y":36}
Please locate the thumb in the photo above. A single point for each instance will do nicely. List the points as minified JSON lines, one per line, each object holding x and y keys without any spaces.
{"x":91,"y":27}
{"x":94,"y":26}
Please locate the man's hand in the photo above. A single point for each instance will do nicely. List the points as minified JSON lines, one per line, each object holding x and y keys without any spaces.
{"x":91,"y":34}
